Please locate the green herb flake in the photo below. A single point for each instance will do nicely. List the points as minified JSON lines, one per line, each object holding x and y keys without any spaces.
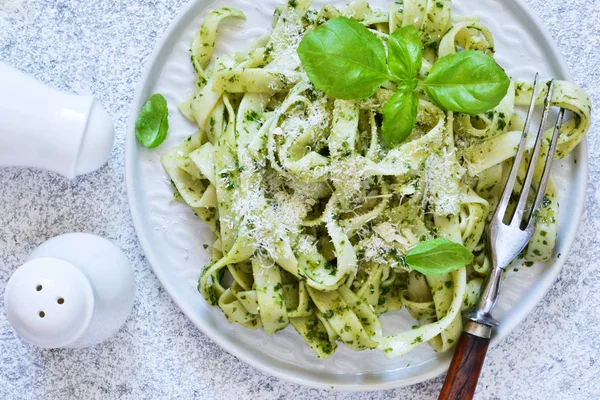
{"x":546,"y":202}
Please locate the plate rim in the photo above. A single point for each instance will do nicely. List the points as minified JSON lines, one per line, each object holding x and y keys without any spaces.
{"x":549,"y":278}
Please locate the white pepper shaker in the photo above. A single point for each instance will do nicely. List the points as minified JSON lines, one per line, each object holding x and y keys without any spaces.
{"x":46,"y":128}
{"x":76,"y":290}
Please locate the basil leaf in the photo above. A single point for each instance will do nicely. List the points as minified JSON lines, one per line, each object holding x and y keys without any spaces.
{"x":152,"y":123}
{"x":400,"y":116}
{"x":469,"y":82}
{"x":404,"y":48}
{"x":438,"y":257}
{"x":343,"y":59}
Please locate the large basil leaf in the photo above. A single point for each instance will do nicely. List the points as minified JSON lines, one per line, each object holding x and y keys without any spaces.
{"x":438,"y":257}
{"x":469,"y":82}
{"x":343,"y":59}
{"x":404,"y":48}
{"x":400,"y":116}
{"x":152,"y":123}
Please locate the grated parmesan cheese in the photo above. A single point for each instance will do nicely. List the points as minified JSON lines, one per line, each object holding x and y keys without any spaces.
{"x":286,"y":36}
{"x":443,"y":174}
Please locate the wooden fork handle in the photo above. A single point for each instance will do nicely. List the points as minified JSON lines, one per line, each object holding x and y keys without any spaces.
{"x":465,"y":368}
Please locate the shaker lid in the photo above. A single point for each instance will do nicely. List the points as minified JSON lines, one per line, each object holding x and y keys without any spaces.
{"x":49,"y":302}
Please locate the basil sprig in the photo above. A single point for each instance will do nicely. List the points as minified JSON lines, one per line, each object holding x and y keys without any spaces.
{"x":345,"y":60}
{"x":438,"y":257}
{"x":152,"y":124}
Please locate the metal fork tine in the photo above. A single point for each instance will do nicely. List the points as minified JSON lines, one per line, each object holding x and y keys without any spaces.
{"x":541,"y":191}
{"x":526,"y":188}
{"x":510,"y":183}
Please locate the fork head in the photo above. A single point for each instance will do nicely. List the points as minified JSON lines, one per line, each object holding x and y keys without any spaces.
{"x":510,"y":232}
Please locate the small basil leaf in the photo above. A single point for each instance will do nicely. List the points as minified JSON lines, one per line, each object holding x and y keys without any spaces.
{"x":404,"y":48}
{"x":438,"y":257}
{"x":469,"y":82}
{"x":152,"y":123}
{"x":343,"y":59}
{"x":400,"y":116}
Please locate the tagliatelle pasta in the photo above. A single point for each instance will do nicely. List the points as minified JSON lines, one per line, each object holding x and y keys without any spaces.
{"x":313,"y":214}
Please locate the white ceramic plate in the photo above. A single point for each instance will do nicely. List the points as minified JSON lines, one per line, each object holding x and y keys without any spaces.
{"x":173,"y":238}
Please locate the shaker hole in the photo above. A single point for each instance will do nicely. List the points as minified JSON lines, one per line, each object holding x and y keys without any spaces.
{"x":60,"y":301}
{"x":42,"y":314}
{"x":39,"y":288}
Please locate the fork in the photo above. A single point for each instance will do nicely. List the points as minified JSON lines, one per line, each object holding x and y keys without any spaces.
{"x":509,"y":234}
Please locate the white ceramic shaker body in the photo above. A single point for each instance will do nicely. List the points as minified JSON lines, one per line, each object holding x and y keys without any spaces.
{"x":75,"y":290}
{"x":46,"y":128}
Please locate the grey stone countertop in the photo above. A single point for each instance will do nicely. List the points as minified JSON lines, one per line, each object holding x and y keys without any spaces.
{"x":100,"y":47}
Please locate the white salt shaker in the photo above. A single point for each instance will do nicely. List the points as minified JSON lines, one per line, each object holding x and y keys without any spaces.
{"x":45,"y":128}
{"x":75,"y":290}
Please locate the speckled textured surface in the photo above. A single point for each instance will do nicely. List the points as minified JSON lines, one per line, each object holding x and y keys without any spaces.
{"x":99,"y":47}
